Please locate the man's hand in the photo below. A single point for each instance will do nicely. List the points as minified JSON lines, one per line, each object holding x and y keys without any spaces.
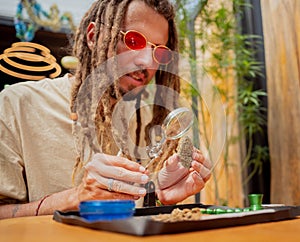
{"x":112,"y":177}
{"x":176,"y":183}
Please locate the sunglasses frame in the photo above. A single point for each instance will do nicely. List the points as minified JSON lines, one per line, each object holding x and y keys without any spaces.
{"x":155,"y":47}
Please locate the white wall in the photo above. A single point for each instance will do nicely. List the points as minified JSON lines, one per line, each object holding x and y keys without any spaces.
{"x":76,"y":7}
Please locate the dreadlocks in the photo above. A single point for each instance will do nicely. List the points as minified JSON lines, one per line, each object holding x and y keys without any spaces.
{"x":108,"y":16}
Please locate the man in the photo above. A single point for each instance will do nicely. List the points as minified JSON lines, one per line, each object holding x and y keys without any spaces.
{"x":37,"y":150}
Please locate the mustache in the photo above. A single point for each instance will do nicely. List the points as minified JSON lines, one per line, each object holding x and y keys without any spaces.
{"x":136,"y":69}
{"x":143,"y":72}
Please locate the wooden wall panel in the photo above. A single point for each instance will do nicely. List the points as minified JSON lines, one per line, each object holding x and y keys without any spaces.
{"x":281,"y":26}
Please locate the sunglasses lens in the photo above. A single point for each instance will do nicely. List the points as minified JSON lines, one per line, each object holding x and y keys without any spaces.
{"x":135,"y":40}
{"x":163,"y":55}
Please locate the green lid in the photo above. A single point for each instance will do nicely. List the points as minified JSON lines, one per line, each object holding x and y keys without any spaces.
{"x":255,"y":201}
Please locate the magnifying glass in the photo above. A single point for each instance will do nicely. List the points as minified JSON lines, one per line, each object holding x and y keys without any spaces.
{"x":175,"y":125}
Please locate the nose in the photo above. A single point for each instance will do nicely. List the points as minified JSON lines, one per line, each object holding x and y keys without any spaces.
{"x":144,"y":58}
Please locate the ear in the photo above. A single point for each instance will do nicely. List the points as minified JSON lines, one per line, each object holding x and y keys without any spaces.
{"x":90,"y":35}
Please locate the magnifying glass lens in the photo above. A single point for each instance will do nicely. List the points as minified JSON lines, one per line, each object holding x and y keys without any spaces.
{"x":177,"y":123}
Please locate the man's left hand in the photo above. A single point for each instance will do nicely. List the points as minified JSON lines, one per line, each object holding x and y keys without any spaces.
{"x":176,"y":183}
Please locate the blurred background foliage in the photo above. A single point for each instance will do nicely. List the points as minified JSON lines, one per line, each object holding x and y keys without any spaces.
{"x":211,"y":35}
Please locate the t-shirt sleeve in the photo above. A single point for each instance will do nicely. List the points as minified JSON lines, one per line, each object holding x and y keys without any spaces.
{"x":12,"y":179}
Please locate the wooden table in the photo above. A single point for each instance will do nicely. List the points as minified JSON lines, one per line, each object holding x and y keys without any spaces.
{"x":44,"y":228}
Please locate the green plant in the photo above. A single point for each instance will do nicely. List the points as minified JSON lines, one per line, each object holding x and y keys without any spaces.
{"x":212,"y":31}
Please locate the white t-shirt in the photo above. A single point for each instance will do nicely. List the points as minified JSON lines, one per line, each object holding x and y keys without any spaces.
{"x":37,"y":148}
{"x":37,"y":151}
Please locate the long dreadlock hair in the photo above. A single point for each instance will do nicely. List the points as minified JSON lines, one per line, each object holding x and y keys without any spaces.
{"x":112,"y":13}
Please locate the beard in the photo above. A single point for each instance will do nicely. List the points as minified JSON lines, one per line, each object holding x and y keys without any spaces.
{"x":134,"y":93}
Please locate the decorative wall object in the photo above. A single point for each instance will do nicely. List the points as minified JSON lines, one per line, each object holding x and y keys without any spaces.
{"x":38,"y":17}
{"x":29,"y":61}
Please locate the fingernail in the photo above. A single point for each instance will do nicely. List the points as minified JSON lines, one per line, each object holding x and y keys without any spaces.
{"x":142,"y":191}
{"x":144,"y":178}
{"x":136,"y":197}
{"x":142,"y":169}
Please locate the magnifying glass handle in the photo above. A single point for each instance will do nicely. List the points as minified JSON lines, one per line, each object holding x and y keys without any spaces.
{"x":150,"y":163}
{"x":149,"y":199}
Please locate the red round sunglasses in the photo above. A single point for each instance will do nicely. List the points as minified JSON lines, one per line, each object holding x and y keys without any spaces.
{"x":135,"y":40}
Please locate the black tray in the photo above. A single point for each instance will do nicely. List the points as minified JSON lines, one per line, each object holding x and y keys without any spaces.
{"x":142,"y":224}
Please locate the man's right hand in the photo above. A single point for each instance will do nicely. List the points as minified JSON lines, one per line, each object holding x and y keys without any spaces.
{"x":112,"y":177}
